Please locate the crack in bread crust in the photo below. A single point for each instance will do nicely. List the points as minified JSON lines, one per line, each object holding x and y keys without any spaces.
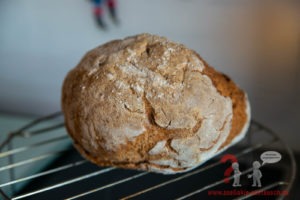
{"x":155,"y":133}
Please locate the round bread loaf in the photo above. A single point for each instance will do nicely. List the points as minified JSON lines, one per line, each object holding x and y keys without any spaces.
{"x":147,"y":103}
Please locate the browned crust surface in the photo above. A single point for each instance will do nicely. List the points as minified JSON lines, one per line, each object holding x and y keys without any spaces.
{"x":229,"y":89}
{"x":134,"y":154}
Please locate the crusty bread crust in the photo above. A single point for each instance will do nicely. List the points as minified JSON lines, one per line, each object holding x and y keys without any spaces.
{"x":150,"y":104}
{"x":228,"y":88}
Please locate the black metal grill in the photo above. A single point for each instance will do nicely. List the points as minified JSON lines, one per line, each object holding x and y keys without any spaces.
{"x":64,"y":174}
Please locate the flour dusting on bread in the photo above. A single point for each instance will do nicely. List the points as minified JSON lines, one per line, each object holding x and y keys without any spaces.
{"x":148,"y":103}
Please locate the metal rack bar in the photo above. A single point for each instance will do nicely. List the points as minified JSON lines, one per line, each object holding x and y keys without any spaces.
{"x":170,"y":181}
{"x":42,"y":130}
{"x":25,"y":148}
{"x":21,"y":130}
{"x":109,"y":185}
{"x":57,"y":169}
{"x":11,"y":160}
{"x":31,"y":160}
{"x":65,"y":183}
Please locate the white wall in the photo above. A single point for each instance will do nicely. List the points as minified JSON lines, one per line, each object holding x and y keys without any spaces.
{"x":255,"y":42}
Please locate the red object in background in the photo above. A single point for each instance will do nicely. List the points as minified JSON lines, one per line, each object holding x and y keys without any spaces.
{"x":98,"y":11}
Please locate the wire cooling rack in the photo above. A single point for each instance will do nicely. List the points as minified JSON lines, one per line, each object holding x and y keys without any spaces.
{"x":41,"y":163}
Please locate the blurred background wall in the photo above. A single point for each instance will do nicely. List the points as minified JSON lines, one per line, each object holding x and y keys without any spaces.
{"x":255,"y":42}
